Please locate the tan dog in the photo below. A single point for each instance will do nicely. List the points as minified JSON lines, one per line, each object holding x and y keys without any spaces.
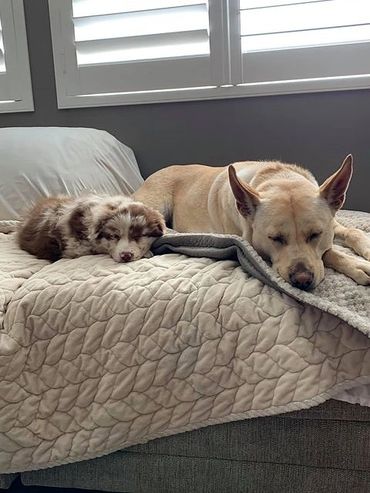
{"x":279,"y":208}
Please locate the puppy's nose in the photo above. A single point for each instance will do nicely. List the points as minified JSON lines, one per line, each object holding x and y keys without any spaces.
{"x":126,"y":256}
{"x":301,"y":277}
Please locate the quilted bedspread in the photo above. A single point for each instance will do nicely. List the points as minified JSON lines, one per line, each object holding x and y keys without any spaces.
{"x":96,"y":356}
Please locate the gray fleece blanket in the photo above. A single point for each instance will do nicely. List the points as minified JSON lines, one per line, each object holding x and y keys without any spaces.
{"x":336,"y":294}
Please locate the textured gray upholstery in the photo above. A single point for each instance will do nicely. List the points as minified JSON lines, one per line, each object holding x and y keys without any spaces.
{"x":324,"y":449}
{"x":6,"y":480}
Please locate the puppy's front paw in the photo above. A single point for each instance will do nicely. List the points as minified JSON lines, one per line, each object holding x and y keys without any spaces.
{"x":148,"y":254}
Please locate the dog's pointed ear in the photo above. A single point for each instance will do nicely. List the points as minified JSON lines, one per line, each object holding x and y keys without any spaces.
{"x":334,"y":189}
{"x":247,"y":199}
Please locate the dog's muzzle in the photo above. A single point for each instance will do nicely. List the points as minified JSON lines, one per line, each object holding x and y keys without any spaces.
{"x":126,"y":256}
{"x":300,"y":277}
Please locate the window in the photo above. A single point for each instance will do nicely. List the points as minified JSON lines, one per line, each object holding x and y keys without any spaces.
{"x":135,"y":51}
{"x":15,"y":79}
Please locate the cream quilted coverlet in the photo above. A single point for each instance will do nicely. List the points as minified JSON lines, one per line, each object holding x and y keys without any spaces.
{"x":96,"y":356}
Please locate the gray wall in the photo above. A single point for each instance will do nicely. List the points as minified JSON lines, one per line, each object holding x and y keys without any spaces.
{"x":316,"y":130}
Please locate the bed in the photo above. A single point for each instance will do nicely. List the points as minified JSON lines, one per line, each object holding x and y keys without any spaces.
{"x":104,"y":366}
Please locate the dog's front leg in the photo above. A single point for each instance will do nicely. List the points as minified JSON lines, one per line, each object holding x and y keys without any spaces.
{"x":355,"y":268}
{"x":354,"y":238}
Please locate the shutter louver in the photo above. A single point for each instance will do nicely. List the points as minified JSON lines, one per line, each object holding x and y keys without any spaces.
{"x":282,"y":24}
{"x":171,"y":32}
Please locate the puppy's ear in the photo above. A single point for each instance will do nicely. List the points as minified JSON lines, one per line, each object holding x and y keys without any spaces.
{"x":157,"y":229}
{"x":77,"y":223}
{"x":247,"y":199}
{"x":334,"y":189}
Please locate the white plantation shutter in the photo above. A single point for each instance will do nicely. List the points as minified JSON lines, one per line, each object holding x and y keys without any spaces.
{"x":136,"y":51}
{"x":301,"y":42}
{"x":15,"y":80}
{"x":136,"y":48}
{"x":2,"y":56}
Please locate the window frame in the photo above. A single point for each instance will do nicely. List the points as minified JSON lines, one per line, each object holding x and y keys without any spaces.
{"x":230,"y":81}
{"x":15,"y":83}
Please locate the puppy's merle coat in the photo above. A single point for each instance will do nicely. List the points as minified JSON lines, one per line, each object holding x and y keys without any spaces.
{"x":68,"y":227}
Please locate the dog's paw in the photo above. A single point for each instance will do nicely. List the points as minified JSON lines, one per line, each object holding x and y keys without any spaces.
{"x":360,"y":272}
{"x":359,"y":242}
{"x":364,"y":249}
{"x":367,"y":254}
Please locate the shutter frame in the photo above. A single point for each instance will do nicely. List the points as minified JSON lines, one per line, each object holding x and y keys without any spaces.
{"x":15,"y":81}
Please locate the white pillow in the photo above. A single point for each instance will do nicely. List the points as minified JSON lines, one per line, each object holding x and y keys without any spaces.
{"x":41,"y":161}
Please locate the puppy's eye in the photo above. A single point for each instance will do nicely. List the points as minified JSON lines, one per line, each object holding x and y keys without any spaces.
{"x":102,"y":236}
{"x":313,"y":236}
{"x":116,"y":237}
{"x":278,"y":239}
{"x":107,"y":236}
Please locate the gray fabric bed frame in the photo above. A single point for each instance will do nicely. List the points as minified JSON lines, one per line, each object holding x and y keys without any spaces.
{"x":323,"y":449}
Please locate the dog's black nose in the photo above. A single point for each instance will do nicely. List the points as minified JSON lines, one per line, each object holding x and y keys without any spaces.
{"x":301,"y":277}
{"x":126,"y":256}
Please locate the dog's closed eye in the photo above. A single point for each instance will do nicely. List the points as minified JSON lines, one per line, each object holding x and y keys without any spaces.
{"x":108,"y":236}
{"x":280,"y":239}
{"x":313,"y":236}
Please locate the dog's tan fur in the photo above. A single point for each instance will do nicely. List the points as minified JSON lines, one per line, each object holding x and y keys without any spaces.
{"x":279,"y":208}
